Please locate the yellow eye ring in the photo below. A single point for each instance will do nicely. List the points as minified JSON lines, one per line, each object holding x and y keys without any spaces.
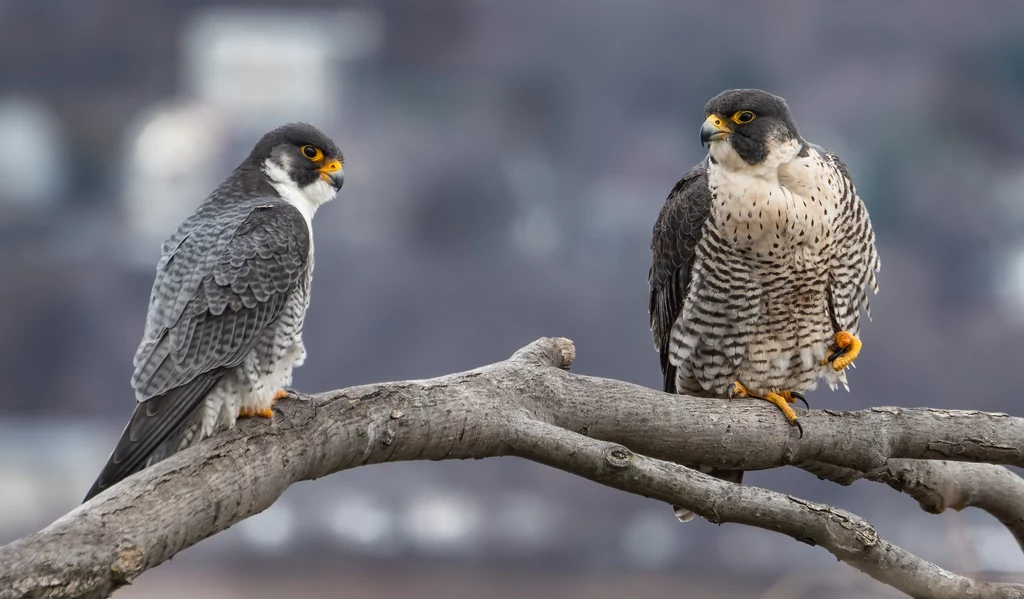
{"x":742,"y":117}
{"x":313,"y":153}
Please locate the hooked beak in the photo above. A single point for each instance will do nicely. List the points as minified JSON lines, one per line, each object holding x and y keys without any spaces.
{"x":333,"y":173}
{"x":713,"y":129}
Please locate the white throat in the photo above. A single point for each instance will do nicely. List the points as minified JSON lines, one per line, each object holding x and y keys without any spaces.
{"x":306,"y":199}
{"x":779,"y":153}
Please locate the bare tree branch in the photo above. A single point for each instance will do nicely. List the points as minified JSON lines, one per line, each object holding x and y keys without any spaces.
{"x":847,"y":536}
{"x":938,"y":485}
{"x":525,"y":406}
{"x":742,"y":434}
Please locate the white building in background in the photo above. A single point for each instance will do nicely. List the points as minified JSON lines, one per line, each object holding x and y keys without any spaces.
{"x":33,"y":169}
{"x":244,"y":71}
{"x":174,"y":159}
{"x":260,"y":67}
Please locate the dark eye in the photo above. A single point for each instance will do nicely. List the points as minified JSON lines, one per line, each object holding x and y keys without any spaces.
{"x":312,"y":152}
{"x":743,"y":117}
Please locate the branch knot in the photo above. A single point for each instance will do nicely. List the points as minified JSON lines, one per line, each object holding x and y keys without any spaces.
{"x":618,"y":457}
{"x":552,"y":352}
{"x":129,"y":562}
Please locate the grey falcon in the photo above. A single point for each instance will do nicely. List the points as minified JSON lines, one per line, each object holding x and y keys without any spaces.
{"x":762,"y":258}
{"x":224,"y":327}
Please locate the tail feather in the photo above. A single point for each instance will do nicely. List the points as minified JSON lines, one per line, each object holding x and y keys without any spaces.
{"x":668,"y":371}
{"x":152,"y":424}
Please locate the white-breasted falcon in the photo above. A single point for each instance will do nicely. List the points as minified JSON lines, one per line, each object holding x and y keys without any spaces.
{"x":763,"y":255}
{"x":224,"y":328}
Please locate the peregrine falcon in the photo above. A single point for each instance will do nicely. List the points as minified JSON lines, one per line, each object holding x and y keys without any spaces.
{"x":224,"y":328}
{"x":762,"y":257}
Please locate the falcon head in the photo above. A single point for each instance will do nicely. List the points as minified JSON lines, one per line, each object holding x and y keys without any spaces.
{"x":303,"y":164}
{"x":749,"y":127}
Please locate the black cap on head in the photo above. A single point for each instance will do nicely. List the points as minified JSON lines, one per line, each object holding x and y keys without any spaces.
{"x":757,"y":101}
{"x":749,"y":120}
{"x":298,"y":135}
{"x":302,"y":151}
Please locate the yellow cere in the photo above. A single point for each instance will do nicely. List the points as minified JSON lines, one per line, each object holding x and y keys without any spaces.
{"x":331,"y":167}
{"x":717,"y":123}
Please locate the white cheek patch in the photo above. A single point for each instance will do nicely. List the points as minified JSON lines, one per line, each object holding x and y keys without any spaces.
{"x":778,"y":153}
{"x":724,"y":154}
{"x":306,"y":199}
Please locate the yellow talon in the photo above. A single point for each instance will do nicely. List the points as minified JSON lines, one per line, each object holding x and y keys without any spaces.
{"x":267,"y":412}
{"x":792,"y":396}
{"x":782,"y":404}
{"x":781,"y":400}
{"x":250,"y":412}
{"x":849,"y":349}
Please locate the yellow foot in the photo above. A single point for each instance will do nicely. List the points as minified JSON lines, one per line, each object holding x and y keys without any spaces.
{"x":849,"y":348}
{"x":250,"y":412}
{"x":738,"y":390}
{"x":285,"y":394}
{"x":792,"y":396}
{"x":781,"y":400}
{"x":268,"y":412}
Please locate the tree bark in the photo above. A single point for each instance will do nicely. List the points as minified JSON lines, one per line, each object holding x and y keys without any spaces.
{"x":938,"y":485}
{"x":614,"y":433}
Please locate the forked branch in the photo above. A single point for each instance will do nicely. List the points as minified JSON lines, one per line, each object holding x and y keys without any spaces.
{"x":615,"y":433}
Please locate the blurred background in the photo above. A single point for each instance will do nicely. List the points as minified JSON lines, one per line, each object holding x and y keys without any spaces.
{"x":505,"y":163}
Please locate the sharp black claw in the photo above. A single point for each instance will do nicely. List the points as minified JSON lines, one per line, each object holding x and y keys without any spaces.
{"x":800,"y":396}
{"x":292,"y":393}
{"x":277,"y":410}
{"x":835,"y":355}
{"x":796,"y":423}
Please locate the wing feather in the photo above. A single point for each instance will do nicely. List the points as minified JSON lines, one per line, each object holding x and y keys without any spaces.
{"x":855,"y":262}
{"x":676,"y":233}
{"x":210,"y":304}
